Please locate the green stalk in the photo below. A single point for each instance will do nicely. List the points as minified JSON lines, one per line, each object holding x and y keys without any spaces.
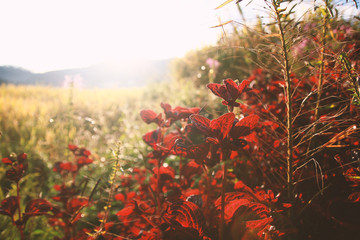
{"x":352,"y":76}
{"x":116,"y":169}
{"x":322,"y":58}
{"x":21,"y":226}
{"x":69,"y":118}
{"x":289,"y":126}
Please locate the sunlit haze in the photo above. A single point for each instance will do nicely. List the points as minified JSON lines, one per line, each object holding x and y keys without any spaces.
{"x":44,"y":35}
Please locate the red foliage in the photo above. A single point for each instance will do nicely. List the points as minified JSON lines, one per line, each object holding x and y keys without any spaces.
{"x":183,"y":220}
{"x":229,"y":91}
{"x":37,"y":207}
{"x":224,"y":177}
{"x":8,"y":206}
{"x":149,"y":116}
{"x":18,"y":166}
{"x":217,"y":128}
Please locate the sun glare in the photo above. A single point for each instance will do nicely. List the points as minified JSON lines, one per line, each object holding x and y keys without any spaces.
{"x":43,"y":35}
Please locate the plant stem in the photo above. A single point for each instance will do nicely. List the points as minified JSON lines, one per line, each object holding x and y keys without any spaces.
{"x":207,"y":191}
{"x":116,"y":168}
{"x":21,"y":226}
{"x":289,"y":126}
{"x":225,"y":156}
{"x":352,"y":75}
{"x":18,"y":200}
{"x":223,"y":188}
{"x":321,"y":73}
{"x":69,"y":118}
{"x":158,"y":187}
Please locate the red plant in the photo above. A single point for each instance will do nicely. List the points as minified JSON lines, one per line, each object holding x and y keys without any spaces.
{"x":223,"y":177}
{"x":69,"y":196}
{"x":184,"y":217}
{"x":35,"y":207}
{"x":229,"y":91}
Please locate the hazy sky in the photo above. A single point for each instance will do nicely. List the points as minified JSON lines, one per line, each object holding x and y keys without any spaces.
{"x":44,"y":35}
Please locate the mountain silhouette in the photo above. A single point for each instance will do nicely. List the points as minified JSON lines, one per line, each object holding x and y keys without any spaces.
{"x":127,"y":73}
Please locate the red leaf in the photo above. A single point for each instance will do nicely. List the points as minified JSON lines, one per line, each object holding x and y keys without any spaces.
{"x":153,"y":138}
{"x":131,"y":195}
{"x":277,"y":143}
{"x":218,"y":89}
{"x":183,"y":113}
{"x":243,"y":206}
{"x":258,"y":226}
{"x":244,"y":126}
{"x":72,"y":147}
{"x":232,"y":88}
{"x":241,"y":187}
{"x":119,"y":197}
{"x":81,"y":161}
{"x":243,"y":85}
{"x":7,"y":161}
{"x":76,"y":203}
{"x":135,"y":230}
{"x":221,"y":126}
{"x":57,"y":187}
{"x":8,"y":206}
{"x":177,"y":113}
{"x":166,"y":173}
{"x":212,"y":140}
{"x":125,"y":211}
{"x":22,"y":157}
{"x":232,"y":206}
{"x":16,"y":172}
{"x":187,"y":214}
{"x":66,"y":166}
{"x":229,"y":91}
{"x":287,"y":205}
{"x":170,"y":140}
{"x":191,"y":169}
{"x":273,"y":125}
{"x":166,"y":107}
{"x":218,"y":128}
{"x":37,"y":207}
{"x":86,"y":152}
{"x":354,"y":197}
{"x":201,"y":123}
{"x":149,"y":116}
{"x":198,"y":151}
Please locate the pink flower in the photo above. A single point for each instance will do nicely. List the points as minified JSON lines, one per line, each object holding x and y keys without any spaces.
{"x":213,"y":63}
{"x":73,"y":81}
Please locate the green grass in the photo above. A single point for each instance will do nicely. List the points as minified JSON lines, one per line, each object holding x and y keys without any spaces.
{"x":42,"y":121}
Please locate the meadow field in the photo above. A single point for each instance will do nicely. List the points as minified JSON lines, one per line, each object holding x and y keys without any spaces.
{"x":43,"y":121}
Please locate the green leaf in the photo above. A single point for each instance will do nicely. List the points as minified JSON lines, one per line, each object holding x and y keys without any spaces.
{"x":38,"y":232}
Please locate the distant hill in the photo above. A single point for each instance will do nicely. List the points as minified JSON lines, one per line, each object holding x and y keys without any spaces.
{"x":131,"y":73}
{"x":15,"y":75}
